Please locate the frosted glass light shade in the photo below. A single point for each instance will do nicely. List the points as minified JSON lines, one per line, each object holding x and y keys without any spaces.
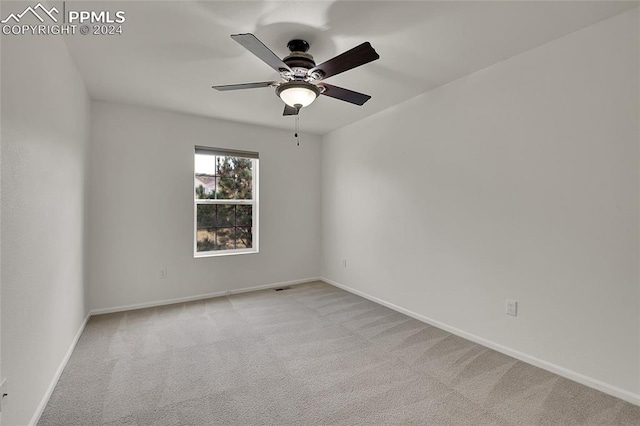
{"x":297,"y":93}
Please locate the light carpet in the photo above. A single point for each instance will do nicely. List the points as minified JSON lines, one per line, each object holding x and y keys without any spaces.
{"x":310,"y":355}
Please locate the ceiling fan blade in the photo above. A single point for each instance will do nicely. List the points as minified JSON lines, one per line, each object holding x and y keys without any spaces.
{"x":359,"y":55}
{"x":289,"y":110}
{"x":245,"y":86}
{"x":255,"y":46}
{"x":344,"y":94}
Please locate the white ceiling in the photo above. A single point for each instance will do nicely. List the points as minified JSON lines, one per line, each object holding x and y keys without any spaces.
{"x":172,"y":52}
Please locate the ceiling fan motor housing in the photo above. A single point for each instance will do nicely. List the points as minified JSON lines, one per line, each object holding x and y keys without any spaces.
{"x":299,"y":60}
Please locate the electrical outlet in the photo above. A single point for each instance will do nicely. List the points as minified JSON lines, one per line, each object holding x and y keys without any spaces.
{"x":512,"y":308}
{"x":163,"y":273}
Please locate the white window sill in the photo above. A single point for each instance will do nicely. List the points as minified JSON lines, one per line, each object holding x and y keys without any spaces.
{"x":224,"y":253}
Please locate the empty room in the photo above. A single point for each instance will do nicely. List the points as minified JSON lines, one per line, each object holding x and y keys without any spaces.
{"x":319,"y":212}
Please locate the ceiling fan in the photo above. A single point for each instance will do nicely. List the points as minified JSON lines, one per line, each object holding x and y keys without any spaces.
{"x":302,"y":80}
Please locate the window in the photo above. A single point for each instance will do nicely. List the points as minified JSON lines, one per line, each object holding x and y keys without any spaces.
{"x":225,"y":202}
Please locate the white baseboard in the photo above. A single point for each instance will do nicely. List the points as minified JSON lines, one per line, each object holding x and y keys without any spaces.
{"x":45,"y":399}
{"x":198,"y":297}
{"x":545,"y":365}
{"x":274,"y":285}
{"x":153,"y":304}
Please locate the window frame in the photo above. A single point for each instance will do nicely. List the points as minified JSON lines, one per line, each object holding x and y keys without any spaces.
{"x":254,"y":202}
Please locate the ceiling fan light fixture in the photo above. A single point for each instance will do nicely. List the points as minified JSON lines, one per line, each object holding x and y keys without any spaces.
{"x":296,"y":93}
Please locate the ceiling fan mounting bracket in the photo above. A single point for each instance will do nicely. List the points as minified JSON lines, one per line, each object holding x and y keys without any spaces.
{"x":298,"y":45}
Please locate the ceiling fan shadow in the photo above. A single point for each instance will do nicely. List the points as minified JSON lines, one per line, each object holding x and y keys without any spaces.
{"x":378,"y":18}
{"x":184,"y":32}
{"x":276,"y":36}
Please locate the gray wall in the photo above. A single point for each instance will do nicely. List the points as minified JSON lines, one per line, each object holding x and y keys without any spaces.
{"x":519,"y":181}
{"x":141,"y":207}
{"x":45,"y":133}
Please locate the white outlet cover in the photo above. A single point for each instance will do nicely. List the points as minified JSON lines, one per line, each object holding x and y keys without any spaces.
{"x":512,"y":308}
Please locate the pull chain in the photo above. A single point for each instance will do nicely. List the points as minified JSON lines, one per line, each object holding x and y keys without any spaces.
{"x":297,"y":129}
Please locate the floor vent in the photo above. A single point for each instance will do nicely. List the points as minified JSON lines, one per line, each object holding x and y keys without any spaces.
{"x":282,"y":288}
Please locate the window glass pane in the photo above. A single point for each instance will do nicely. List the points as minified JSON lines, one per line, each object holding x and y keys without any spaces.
{"x":244,"y":176}
{"x":226,"y":238}
{"x":226,"y":188}
{"x":223,"y":177}
{"x":206,"y":215}
{"x":205,"y":186}
{"x":226,"y":215}
{"x":243,"y":216}
{"x":244,"y":237}
{"x":235,"y":177}
{"x":226,"y":172}
{"x":204,"y":182}
{"x":206,"y":239}
{"x":205,"y":164}
{"x":223,"y":227}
